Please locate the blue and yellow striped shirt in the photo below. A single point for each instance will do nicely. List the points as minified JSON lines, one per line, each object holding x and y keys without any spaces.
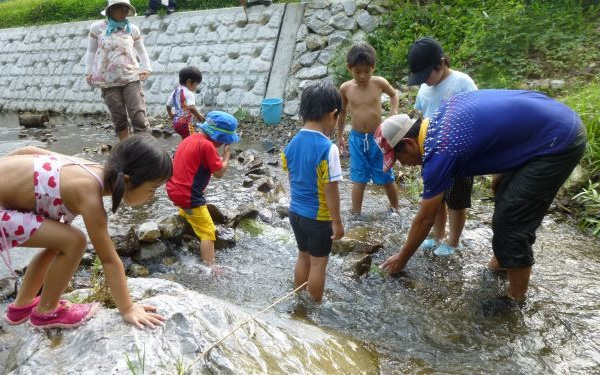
{"x":312,"y":161}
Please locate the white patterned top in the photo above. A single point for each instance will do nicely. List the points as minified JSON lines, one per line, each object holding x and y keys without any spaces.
{"x":112,"y":60}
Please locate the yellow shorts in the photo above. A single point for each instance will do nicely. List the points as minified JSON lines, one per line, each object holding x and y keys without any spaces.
{"x":200,"y":220}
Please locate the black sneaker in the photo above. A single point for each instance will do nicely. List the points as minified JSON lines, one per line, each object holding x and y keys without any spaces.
{"x":149,"y":12}
{"x":170,"y":10}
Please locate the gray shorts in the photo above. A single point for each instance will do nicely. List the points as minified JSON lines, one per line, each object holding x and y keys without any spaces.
{"x":523,"y":198}
{"x":124,"y":100}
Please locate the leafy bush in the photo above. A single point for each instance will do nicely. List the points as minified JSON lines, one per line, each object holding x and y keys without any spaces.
{"x":584,"y":100}
{"x":16,"y":13}
{"x":498,"y":42}
{"x":589,"y":198}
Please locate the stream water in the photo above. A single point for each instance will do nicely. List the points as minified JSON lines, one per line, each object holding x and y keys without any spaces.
{"x":441,"y":315}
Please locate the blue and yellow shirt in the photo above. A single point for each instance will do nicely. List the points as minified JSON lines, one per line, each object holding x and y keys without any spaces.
{"x":312,"y":161}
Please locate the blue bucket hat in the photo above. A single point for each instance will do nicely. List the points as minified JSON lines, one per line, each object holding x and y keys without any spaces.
{"x":220,"y":126}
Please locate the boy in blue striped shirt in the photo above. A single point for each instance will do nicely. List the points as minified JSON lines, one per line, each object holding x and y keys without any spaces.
{"x":313,"y":165}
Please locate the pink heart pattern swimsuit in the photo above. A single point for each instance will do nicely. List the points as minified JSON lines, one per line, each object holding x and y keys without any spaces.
{"x":16,"y":226}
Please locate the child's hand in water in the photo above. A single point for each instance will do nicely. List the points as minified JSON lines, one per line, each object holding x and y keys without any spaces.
{"x":141,"y":315}
{"x":338,"y":230}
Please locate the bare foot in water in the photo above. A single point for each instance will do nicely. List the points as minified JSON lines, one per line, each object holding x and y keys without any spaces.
{"x":495,"y":266}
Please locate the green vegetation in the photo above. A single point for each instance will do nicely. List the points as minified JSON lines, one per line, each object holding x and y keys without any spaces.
{"x":504,"y":44}
{"x":99,"y":291}
{"x":498,"y":42}
{"x":15,"y":13}
{"x":139,"y":367}
{"x":589,"y":198}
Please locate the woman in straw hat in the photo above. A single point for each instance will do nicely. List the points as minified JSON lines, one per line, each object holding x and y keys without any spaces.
{"x":114,"y":46}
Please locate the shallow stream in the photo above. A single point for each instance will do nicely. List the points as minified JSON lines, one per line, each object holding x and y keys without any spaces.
{"x":441,"y":315}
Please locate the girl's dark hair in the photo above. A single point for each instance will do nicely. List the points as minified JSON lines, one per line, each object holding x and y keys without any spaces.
{"x":414,"y":130}
{"x":318,"y":100}
{"x":362,"y":54}
{"x":190,"y":72}
{"x":142,"y":159}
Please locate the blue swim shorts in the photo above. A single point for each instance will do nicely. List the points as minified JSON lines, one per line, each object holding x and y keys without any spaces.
{"x":366,"y":160}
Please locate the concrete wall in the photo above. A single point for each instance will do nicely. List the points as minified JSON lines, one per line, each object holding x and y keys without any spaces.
{"x":272,"y":51}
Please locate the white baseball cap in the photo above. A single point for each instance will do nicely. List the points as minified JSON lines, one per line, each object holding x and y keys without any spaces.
{"x":389,"y":133}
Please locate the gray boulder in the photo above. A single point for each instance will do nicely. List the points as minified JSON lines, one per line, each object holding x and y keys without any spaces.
{"x":149,"y":232}
{"x":271,"y":344}
{"x":127,"y":244}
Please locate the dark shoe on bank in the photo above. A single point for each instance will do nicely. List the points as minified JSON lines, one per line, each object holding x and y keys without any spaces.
{"x":170,"y":10}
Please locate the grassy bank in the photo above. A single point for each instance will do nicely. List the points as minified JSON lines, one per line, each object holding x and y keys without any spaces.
{"x":505,"y":44}
{"x":15,"y":13}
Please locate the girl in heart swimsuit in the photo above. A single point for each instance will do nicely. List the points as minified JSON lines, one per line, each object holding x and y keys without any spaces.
{"x":42,"y":192}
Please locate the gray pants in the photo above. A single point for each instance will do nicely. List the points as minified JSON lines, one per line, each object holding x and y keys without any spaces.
{"x":124,"y":100}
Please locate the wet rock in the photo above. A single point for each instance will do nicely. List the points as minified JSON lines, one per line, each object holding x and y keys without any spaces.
{"x":137,"y":270}
{"x":256,"y":171}
{"x":247,"y":182}
{"x":104,"y":149}
{"x":194,"y":321}
{"x":169,"y":261}
{"x":217,"y":214}
{"x":149,"y":232}
{"x":247,"y":156}
{"x":254,"y":177}
{"x":151,"y":251}
{"x":273,"y":163}
{"x":87,"y":260}
{"x":126,"y":261}
{"x":358,"y":240}
{"x":254,"y":164}
{"x":33,"y":120}
{"x":272,"y":150}
{"x":81,"y":282}
{"x":282,"y":211}
{"x":265,"y":185}
{"x":172,"y":227}
{"x":225,"y":237}
{"x":357,"y":264}
{"x":244,"y":211}
{"x":265,"y":215}
{"x":8,"y":287}
{"x":128,"y":244}
{"x":191,"y":243}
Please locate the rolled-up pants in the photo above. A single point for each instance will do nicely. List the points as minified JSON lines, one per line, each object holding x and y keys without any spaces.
{"x":127,"y":100}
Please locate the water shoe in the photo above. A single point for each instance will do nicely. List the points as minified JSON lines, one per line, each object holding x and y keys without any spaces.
{"x":17,"y":315}
{"x":66,"y":315}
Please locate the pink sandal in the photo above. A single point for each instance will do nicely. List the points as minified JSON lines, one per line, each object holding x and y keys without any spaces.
{"x":17,"y":315}
{"x":66,"y":315}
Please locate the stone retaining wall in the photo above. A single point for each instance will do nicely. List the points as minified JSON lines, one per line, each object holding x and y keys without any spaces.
{"x":43,"y":67}
{"x":327,"y":27}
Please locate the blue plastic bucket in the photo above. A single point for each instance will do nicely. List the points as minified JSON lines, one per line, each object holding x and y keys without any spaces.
{"x":271,"y":109}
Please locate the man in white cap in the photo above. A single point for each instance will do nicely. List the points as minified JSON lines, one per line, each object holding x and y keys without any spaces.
{"x":529,"y":141}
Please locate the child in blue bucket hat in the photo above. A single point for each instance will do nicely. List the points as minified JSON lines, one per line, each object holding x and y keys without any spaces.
{"x":196,"y":160}
{"x":220,"y":126}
